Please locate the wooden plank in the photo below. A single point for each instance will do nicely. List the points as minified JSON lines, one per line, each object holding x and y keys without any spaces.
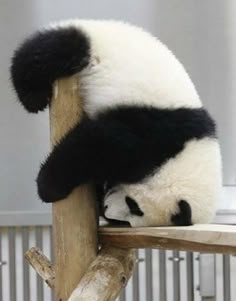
{"x":74,"y":219}
{"x":200,"y":238}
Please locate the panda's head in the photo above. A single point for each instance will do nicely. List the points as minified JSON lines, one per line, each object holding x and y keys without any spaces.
{"x":147,"y":212}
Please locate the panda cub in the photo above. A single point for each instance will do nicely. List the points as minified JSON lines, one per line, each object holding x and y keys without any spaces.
{"x":145,"y":138}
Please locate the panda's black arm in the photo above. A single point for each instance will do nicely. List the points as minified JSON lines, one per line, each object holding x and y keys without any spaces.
{"x":120,"y":146}
{"x":98,"y":151}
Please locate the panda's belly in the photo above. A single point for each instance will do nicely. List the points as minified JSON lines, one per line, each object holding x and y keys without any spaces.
{"x":129,"y":66}
{"x":106,"y":88}
{"x":193,"y":176}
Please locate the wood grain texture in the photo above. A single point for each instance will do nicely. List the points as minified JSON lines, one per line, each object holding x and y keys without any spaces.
{"x":74,"y":219}
{"x":106,"y":276}
{"x":41,"y":265}
{"x":201,"y":238}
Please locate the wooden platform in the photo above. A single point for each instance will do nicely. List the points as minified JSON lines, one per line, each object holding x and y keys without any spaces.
{"x":200,"y":238}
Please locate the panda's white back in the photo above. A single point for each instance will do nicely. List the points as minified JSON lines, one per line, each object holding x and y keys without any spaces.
{"x":131,"y":67}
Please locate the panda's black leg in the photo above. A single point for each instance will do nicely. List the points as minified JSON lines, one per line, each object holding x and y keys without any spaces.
{"x":95,"y":150}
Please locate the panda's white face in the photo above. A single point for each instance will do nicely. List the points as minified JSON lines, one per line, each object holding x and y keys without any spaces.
{"x":119,"y":206}
{"x":138,"y":212}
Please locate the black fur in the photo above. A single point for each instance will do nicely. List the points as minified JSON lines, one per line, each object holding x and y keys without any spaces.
{"x":101,"y":192}
{"x":120,"y":146}
{"x":133,"y":206}
{"x":184,"y":216}
{"x":99,"y":189}
{"x":43,"y":58}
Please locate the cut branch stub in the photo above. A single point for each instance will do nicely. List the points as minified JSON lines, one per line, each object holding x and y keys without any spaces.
{"x":106,"y":276}
{"x":42,"y":265}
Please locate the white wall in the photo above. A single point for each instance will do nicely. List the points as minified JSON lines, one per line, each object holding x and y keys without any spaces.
{"x":201,"y":33}
{"x":23,"y":137}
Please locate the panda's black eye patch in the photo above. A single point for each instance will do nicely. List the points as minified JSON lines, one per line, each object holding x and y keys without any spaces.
{"x":133,"y":206}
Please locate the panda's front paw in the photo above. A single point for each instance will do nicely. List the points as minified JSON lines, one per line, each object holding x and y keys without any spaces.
{"x":51,"y":187}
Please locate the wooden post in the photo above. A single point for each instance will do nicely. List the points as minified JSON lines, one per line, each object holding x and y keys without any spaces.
{"x":74,"y":219}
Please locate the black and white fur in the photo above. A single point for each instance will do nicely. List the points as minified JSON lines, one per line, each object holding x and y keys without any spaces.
{"x":145,"y":135}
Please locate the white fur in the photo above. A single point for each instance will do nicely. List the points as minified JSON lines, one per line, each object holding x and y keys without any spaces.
{"x":131,"y":67}
{"x":194,"y":175}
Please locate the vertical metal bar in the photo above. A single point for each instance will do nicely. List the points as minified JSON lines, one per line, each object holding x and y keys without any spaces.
{"x":1,"y":263}
{"x":39,"y":244}
{"x":207,"y":276}
{"x":51,"y":244}
{"x":176,"y":275}
{"x":136,"y":280}
{"x":148,"y":259}
{"x":12,"y":262}
{"x":162,"y":275}
{"x":226,"y":277}
{"x":122,"y":295}
{"x":26,"y":279}
{"x":190,"y":277}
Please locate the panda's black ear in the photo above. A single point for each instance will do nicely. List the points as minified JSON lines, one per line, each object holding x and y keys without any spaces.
{"x":43,"y":58}
{"x":184,"y":216}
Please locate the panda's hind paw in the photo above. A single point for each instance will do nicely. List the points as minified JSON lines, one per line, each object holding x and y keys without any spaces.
{"x":50,"y":188}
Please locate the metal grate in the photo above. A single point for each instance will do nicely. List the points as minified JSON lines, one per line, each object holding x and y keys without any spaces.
{"x":159,"y":275}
